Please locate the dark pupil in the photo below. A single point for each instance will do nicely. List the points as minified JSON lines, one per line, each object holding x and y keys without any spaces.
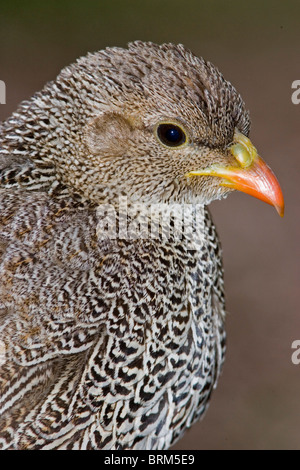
{"x":171,"y":135}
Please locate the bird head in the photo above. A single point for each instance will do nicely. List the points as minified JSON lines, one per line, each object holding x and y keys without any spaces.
{"x":153,"y":123}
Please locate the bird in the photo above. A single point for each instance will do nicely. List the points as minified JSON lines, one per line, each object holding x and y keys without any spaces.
{"x":112,"y":303}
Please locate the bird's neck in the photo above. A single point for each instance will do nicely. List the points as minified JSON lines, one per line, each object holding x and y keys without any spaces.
{"x":169,"y":222}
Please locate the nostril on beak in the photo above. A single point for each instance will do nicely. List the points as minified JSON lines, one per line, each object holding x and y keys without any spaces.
{"x":242,"y":155}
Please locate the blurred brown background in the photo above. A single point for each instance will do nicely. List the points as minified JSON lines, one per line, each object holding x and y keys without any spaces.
{"x":256,"y":45}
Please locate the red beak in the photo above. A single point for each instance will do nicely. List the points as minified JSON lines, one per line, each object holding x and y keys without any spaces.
{"x":251,"y":176}
{"x":258,"y":180}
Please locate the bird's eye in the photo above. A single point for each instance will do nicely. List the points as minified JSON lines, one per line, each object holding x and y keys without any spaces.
{"x":171,"y":134}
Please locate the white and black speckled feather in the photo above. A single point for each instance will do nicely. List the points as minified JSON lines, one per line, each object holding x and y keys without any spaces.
{"x":111,"y":342}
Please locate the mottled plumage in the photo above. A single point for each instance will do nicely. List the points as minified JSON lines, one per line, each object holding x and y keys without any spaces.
{"x":114,"y":337}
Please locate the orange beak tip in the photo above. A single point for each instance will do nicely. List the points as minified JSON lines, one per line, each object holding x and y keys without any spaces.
{"x":280,"y":210}
{"x":258,"y":181}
